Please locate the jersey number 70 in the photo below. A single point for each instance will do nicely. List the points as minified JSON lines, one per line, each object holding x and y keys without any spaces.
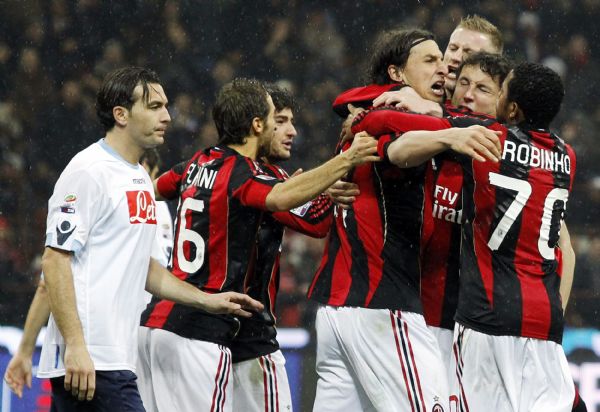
{"x":523,"y":189}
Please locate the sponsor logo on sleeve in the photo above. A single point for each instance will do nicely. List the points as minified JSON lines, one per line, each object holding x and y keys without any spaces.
{"x":301,"y":210}
{"x":67,"y":209}
{"x":266,"y":177}
{"x":63,"y":230}
{"x":142,"y":208}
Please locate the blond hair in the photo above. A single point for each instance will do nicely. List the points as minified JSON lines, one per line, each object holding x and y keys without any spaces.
{"x":484,"y":26}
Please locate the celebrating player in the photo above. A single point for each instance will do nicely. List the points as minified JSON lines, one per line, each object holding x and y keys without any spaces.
{"x":510,"y":320}
{"x":223,"y":193}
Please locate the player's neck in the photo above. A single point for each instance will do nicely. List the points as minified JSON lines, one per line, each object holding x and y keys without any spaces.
{"x":248,"y":149}
{"x":121,"y":144}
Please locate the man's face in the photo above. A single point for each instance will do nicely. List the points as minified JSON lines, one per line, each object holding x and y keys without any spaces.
{"x":425,"y":71}
{"x":283,"y":136}
{"x":502,"y":105}
{"x":476,"y":90}
{"x":148,"y":120}
{"x":462,"y":43}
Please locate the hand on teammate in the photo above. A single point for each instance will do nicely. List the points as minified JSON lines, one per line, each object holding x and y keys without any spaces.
{"x":362,"y":150}
{"x":409,"y":100}
{"x":346,"y":132}
{"x":232,"y":303}
{"x":80,"y":374}
{"x":476,"y":141}
{"x":18,"y":373}
{"x":343,"y":193}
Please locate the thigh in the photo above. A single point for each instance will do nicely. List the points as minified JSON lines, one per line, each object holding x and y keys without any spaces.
{"x":115,"y":391}
{"x":396,"y":359}
{"x":188,"y":374}
{"x":547,"y":381}
{"x":261,"y":384}
{"x":337,"y":387}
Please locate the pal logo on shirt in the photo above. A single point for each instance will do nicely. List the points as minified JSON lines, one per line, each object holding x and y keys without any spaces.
{"x":141,"y":207}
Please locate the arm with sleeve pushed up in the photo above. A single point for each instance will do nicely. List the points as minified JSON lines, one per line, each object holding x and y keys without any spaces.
{"x":315,"y":221}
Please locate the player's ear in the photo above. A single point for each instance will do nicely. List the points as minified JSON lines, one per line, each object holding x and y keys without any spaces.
{"x":514,"y":112}
{"x":257,"y":126}
{"x":121,"y":115}
{"x":395,"y":73}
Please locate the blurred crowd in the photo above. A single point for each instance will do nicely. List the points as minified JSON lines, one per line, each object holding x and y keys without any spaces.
{"x":54,"y":53}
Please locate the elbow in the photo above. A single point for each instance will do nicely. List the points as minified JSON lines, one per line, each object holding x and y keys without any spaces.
{"x":276,"y":202}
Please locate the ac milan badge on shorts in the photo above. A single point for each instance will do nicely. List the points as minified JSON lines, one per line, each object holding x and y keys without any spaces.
{"x":437,"y":408}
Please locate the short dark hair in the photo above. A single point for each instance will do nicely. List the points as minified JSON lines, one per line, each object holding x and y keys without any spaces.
{"x":493,"y":64}
{"x":538,"y":91}
{"x":237,"y":103}
{"x":282,"y":98}
{"x":117,"y":90}
{"x":393,"y":47}
{"x":151,"y":157}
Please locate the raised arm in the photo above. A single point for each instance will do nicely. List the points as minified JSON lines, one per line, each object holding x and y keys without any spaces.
{"x":299,"y":189}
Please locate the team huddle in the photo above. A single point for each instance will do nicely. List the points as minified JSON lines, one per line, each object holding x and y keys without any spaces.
{"x":445,"y":275}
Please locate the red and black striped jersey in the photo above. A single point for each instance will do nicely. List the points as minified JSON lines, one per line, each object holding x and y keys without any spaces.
{"x":512,"y":213}
{"x":361,"y":97}
{"x":257,"y":335}
{"x":440,"y":240}
{"x":371,"y":258}
{"x":221,"y":201}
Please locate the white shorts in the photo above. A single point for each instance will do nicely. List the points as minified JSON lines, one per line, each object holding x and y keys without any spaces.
{"x":377,"y":360}
{"x":444,"y":338}
{"x":510,"y":374}
{"x":180,"y":374}
{"x":261,"y":385}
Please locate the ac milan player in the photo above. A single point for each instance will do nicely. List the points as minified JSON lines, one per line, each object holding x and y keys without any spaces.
{"x":509,"y":318}
{"x":100,"y":229}
{"x":259,"y":375}
{"x":374,"y":350}
{"x":223,"y":194}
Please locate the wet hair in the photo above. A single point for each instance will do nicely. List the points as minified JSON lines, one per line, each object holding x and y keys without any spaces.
{"x":151,"y":157}
{"x":236,"y":105}
{"x":484,"y":26}
{"x":393,"y":48}
{"x":117,"y":90}
{"x":538,"y":91}
{"x":282,"y":98}
{"x":495,"y":65}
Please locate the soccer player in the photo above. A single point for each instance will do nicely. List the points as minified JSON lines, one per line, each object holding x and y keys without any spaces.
{"x":100,"y":229}
{"x":507,"y":348}
{"x":374,"y":350}
{"x":223,"y":194}
{"x":259,"y":377}
{"x":19,"y":370}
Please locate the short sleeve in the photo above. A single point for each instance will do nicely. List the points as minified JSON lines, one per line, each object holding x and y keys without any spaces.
{"x":72,"y":210}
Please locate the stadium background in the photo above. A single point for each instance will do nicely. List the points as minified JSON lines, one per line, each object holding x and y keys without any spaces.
{"x":54,"y":53}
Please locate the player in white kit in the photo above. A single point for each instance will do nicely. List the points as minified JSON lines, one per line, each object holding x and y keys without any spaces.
{"x":100,"y":229}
